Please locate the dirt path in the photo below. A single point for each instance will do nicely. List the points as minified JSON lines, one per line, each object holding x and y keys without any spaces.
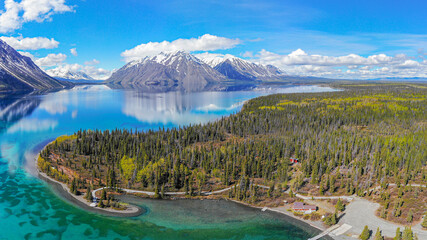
{"x":166,"y":193}
{"x":348,"y":198}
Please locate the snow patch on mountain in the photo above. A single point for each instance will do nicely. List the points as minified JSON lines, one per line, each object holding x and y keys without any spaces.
{"x":229,"y":63}
{"x":66,"y":74}
{"x":165,"y":58}
{"x":211,"y":59}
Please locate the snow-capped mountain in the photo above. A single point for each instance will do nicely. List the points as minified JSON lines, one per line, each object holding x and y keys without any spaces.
{"x":211,"y":59}
{"x":167,"y":71}
{"x":19,"y":72}
{"x":239,"y":69}
{"x":68,"y":75}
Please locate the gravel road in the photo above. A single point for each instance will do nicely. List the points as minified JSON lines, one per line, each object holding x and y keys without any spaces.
{"x":361,"y":212}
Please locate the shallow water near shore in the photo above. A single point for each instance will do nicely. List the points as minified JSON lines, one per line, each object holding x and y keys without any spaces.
{"x":30,"y":209}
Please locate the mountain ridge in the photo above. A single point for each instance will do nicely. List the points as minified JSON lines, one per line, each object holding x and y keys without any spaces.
{"x":166,"y":72}
{"x":180,"y":70}
{"x":240,"y":69}
{"x":20,"y":73}
{"x":69,"y":75}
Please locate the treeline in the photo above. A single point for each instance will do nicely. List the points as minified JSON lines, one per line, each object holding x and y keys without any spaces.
{"x":345,"y":141}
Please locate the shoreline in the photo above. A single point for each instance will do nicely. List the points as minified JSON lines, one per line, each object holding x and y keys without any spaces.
{"x":63,"y":191}
{"x":278,"y":210}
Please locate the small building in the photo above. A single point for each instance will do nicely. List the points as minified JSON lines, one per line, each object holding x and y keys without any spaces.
{"x":293,"y":160}
{"x":301,"y":207}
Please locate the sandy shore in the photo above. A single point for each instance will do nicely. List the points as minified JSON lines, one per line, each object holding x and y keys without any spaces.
{"x":63,"y":190}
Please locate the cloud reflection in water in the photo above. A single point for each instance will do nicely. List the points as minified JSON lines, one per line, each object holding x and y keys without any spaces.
{"x":33,"y":125}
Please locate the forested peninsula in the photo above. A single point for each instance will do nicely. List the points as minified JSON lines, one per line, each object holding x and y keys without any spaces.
{"x":368,"y":140}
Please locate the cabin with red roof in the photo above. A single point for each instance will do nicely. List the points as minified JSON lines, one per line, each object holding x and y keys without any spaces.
{"x":301,"y":207}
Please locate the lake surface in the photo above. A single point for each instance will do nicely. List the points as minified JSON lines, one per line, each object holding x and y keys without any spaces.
{"x":30,"y":209}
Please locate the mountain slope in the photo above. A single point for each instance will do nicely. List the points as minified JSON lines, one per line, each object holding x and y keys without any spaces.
{"x":68,"y":75}
{"x":167,"y":71}
{"x":238,"y":69}
{"x":19,"y":72}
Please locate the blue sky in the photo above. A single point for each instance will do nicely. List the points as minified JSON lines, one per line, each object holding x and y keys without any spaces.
{"x":269,"y":32}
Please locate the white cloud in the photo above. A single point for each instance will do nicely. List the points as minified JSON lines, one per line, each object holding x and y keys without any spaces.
{"x":17,"y":13}
{"x":9,"y":18}
{"x":63,"y":69}
{"x":73,"y":51}
{"x":208,"y":55}
{"x":27,"y":54}
{"x":35,"y":43}
{"x":206,"y":42}
{"x":92,"y":62}
{"x":409,"y":64}
{"x":51,"y":60}
{"x":299,"y":57}
{"x":350,"y":66}
{"x":248,"y":54}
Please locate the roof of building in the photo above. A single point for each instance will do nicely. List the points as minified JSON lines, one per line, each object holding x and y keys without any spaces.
{"x":301,"y":205}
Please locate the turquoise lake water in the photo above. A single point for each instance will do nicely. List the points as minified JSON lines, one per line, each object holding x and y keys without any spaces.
{"x":30,"y":209}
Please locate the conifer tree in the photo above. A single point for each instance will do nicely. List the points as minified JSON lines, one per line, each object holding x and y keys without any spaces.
{"x":366,"y":233}
{"x":88,"y":195}
{"x":162,"y":192}
{"x":340,"y":205}
{"x":291,"y":193}
{"x":73,"y":187}
{"x":407,"y":234}
{"x":103,"y":194}
{"x":398,"y":234}
{"x":410,"y":216}
{"x":378,"y":235}
{"x":424,"y":223}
